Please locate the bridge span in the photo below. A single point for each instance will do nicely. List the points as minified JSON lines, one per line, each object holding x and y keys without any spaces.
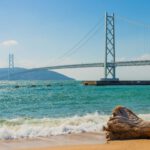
{"x":109,"y":63}
{"x":92,"y":65}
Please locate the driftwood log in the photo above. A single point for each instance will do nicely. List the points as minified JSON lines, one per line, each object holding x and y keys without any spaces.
{"x":124,"y":124}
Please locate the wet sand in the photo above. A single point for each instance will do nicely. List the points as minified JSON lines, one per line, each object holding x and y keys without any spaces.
{"x":84,"y":141}
{"x":54,"y":141}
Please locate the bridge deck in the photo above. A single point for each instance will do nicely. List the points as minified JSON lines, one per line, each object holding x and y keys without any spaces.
{"x":89,"y":65}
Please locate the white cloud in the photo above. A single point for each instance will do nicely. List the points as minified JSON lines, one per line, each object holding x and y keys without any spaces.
{"x":141,"y":57}
{"x":144,"y":57}
{"x":8,"y":43}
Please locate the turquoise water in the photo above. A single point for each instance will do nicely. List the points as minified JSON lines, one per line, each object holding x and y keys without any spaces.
{"x":64,"y":107}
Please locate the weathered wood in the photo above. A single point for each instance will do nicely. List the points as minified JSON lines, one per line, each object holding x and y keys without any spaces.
{"x":124,"y":124}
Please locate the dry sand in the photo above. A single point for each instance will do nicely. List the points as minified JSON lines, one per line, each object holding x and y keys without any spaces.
{"x":117,"y":145}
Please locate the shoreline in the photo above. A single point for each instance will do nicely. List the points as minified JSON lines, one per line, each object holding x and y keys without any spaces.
{"x":81,"y":141}
{"x":54,"y":141}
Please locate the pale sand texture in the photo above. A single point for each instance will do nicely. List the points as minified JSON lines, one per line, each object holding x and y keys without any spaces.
{"x":115,"y":145}
{"x":84,"y":141}
{"x":53,"y":141}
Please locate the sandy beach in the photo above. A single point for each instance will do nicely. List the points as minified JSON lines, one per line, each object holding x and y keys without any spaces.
{"x":115,"y":145}
{"x":54,"y":141}
{"x":84,"y":141}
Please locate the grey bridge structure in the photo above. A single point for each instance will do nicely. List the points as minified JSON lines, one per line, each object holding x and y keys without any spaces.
{"x":92,"y":65}
{"x":109,"y":63}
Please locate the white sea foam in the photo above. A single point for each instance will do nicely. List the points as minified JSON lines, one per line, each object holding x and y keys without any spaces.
{"x":32,"y":128}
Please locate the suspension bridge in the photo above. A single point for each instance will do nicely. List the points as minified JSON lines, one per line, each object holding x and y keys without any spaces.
{"x":109,"y":63}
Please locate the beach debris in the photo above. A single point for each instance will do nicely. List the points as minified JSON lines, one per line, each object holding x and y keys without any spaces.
{"x":124,"y":124}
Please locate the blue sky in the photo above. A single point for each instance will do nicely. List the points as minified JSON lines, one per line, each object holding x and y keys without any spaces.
{"x":38,"y":32}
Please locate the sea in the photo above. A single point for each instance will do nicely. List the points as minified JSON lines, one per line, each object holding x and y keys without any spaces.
{"x":31,"y":109}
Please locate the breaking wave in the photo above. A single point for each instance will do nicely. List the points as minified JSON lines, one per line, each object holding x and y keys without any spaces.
{"x":32,"y":127}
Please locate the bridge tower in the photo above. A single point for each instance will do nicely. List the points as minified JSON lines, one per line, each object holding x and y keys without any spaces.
{"x":109,"y":63}
{"x":11,"y":65}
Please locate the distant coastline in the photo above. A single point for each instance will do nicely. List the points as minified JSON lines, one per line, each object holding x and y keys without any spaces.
{"x":24,"y":74}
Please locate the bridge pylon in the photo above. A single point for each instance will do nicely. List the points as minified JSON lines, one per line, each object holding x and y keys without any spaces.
{"x":11,"y":65}
{"x":110,"y":63}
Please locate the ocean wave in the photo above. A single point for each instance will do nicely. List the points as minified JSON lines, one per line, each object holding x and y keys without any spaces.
{"x":31,"y":127}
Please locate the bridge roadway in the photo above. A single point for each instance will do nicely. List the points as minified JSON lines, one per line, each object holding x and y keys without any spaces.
{"x":89,"y":65}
